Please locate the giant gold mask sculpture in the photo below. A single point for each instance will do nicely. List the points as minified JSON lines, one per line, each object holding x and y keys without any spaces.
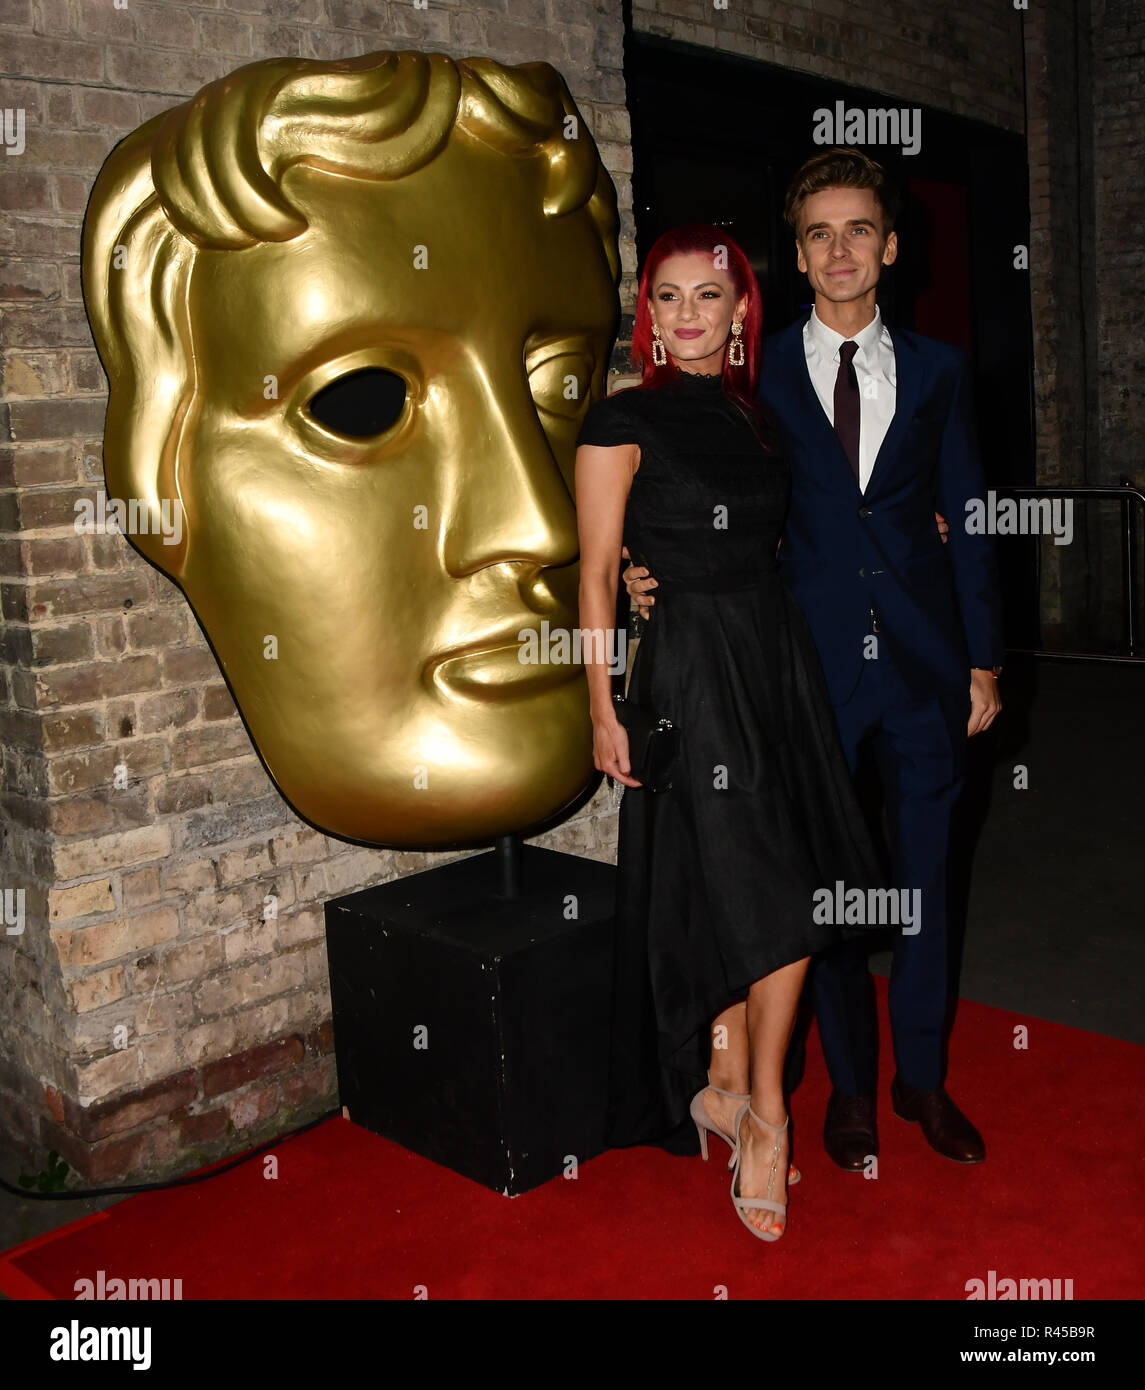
{"x":351,"y":314}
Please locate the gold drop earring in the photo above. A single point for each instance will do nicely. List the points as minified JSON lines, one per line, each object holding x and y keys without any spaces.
{"x":659,"y":352}
{"x":735,"y":350}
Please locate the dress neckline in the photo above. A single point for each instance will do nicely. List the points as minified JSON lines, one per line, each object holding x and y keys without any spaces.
{"x":699,"y":380}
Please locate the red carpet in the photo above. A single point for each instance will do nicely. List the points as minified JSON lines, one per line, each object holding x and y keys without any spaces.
{"x":351,"y":1215}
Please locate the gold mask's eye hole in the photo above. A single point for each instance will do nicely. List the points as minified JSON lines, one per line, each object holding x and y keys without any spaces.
{"x":360,"y":404}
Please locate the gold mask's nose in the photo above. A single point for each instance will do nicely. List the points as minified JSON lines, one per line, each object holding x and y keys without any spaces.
{"x":509,"y":503}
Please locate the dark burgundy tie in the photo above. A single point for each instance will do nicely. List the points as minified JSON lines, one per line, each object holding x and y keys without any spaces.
{"x":847,"y":404}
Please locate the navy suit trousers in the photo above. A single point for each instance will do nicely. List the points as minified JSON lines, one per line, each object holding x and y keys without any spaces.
{"x":919,"y":747}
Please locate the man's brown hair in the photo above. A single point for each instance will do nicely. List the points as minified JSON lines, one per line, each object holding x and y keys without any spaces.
{"x":838,"y":168}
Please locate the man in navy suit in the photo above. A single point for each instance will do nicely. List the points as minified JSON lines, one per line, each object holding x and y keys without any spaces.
{"x":879,"y":429}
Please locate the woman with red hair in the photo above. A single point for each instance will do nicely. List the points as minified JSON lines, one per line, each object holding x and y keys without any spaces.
{"x":717,"y":876}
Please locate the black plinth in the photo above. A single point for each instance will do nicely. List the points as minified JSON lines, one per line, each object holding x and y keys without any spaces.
{"x":513,"y":997}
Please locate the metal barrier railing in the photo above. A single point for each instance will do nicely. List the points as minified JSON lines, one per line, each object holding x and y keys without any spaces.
{"x":1132,"y":500}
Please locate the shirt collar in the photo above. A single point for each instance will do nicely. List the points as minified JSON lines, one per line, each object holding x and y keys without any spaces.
{"x":827,"y":340}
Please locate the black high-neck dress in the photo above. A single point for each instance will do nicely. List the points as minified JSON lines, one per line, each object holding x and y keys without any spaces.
{"x":717,"y":876}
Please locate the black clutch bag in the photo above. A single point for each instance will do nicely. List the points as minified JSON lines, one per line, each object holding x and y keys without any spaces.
{"x":652,"y":745}
{"x":653,"y":740}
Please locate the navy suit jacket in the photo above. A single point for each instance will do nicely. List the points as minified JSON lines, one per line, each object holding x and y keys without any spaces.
{"x":845,"y":553}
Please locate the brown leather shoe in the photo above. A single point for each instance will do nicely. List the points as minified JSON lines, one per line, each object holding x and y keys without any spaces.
{"x":946,"y":1128}
{"x":849,"y":1132}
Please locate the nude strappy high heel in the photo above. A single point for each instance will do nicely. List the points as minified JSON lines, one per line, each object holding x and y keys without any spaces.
{"x":745,"y":1204}
{"x":705,"y":1124}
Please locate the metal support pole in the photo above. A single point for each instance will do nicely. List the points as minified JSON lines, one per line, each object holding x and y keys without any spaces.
{"x":509,"y":865}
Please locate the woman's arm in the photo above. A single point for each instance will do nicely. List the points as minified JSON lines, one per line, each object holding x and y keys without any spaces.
{"x":603,"y":479}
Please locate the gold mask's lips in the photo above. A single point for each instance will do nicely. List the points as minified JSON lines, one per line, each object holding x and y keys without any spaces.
{"x":492,"y":669}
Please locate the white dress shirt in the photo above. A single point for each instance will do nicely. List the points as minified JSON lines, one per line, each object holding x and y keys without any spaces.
{"x":875,"y":371}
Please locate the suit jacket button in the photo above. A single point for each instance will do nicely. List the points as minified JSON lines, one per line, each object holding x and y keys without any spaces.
{"x":864,"y":511}
{"x":862,"y":574}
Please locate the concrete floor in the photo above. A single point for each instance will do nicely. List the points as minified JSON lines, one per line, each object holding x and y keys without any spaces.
{"x":1056,"y":903}
{"x":1056,"y":909}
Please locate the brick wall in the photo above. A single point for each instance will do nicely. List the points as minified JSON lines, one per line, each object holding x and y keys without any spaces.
{"x":152,"y":1017}
{"x":1118,"y":57}
{"x":964,"y":58}
{"x":1058,"y":77}
{"x":1086,"y":84}
{"x":1058,"y":88}
{"x":1113,"y":266}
